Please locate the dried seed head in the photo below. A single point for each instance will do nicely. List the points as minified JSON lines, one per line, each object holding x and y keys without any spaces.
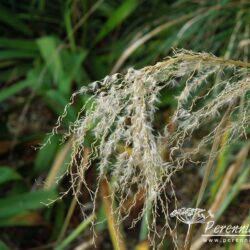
{"x":121,"y":119}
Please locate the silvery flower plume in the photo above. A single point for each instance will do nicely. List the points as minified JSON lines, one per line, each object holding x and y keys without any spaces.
{"x":119,"y":115}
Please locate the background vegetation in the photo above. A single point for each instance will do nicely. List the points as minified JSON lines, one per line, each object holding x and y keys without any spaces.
{"x":49,"y":49}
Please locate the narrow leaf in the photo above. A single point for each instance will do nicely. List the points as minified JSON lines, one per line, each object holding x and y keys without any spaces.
{"x":117,"y":17}
{"x":75,"y":233}
{"x":14,"y":43}
{"x":8,"y":174}
{"x":13,"y":21}
{"x":17,"y":204}
{"x":14,"y":89}
{"x":49,"y":51}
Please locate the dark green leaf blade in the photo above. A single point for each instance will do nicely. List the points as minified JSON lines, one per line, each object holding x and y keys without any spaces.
{"x":17,"y":204}
{"x":117,"y":17}
{"x":8,"y":174}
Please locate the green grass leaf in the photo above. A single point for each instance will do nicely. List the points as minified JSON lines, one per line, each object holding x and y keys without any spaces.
{"x":45,"y":156}
{"x":75,"y":233}
{"x":14,"y":73}
{"x":3,"y":246}
{"x":72,"y":62}
{"x":58,"y":102}
{"x":14,"y":89}
{"x":16,"y":43}
{"x":17,"y":54}
{"x":69,"y":28}
{"x":48,"y":47}
{"x":13,"y":21}
{"x":117,"y":17}
{"x":8,"y":174}
{"x":234,"y":191}
{"x":20,"y":203}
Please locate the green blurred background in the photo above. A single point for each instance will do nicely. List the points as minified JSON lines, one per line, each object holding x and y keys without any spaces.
{"x":48,"y":50}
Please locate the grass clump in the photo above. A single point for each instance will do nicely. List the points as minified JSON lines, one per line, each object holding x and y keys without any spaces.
{"x":127,"y":149}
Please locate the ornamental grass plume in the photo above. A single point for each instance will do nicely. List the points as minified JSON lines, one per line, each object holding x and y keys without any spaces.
{"x":119,"y":114}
